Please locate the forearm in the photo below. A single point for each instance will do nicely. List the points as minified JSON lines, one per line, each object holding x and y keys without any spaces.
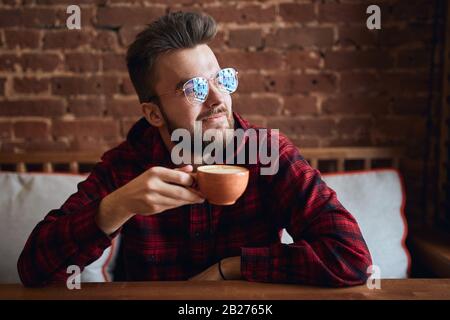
{"x":325,"y":262}
{"x":111,"y":217}
{"x":328,"y":248}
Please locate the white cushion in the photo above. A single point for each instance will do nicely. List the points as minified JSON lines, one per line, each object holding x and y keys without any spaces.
{"x":25,"y":199}
{"x":375,"y":198}
{"x":102,"y":269}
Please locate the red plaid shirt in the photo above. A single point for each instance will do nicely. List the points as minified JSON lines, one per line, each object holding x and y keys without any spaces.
{"x":328,"y":247}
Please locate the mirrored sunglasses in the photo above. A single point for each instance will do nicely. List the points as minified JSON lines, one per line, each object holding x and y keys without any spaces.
{"x":196,"y":89}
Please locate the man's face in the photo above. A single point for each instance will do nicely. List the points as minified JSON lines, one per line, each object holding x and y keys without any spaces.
{"x":174,"y":69}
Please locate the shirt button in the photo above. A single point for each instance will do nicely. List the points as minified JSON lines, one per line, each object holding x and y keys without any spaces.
{"x":197,"y":234}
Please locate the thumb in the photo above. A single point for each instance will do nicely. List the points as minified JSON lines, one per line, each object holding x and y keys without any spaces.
{"x":187,"y":168}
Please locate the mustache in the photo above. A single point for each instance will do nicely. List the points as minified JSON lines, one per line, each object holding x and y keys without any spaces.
{"x":208,"y":114}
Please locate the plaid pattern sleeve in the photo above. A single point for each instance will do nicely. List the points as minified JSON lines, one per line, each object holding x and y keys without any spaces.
{"x":328,"y":246}
{"x":67,"y":236}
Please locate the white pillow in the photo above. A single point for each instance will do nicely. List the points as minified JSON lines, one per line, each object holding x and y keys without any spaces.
{"x":102,"y":269}
{"x":25,"y":199}
{"x":376,"y":199}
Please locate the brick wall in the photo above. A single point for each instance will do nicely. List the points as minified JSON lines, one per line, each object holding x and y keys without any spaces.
{"x":310,"y":68}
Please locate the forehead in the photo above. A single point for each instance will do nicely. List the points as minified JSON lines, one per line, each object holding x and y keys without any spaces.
{"x":183,"y":64}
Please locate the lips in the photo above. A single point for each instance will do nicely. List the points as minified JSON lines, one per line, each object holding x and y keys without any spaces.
{"x":215,"y":116}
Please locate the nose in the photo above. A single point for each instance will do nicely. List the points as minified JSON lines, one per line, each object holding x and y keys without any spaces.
{"x":215,"y":96}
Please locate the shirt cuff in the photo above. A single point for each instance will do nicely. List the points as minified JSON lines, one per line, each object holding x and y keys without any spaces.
{"x":255,"y":264}
{"x":84,"y":229}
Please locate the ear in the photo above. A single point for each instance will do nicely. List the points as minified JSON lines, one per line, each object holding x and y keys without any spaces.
{"x":153,"y":114}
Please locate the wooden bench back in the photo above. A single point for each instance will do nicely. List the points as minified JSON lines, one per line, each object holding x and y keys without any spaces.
{"x":324,"y":159}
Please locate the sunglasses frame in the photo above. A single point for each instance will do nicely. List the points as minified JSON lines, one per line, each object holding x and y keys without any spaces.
{"x":215,"y":78}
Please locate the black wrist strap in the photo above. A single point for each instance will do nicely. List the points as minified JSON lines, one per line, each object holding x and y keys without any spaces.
{"x":220,"y":270}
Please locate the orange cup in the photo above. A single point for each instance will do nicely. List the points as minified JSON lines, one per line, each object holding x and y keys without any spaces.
{"x":222,"y":184}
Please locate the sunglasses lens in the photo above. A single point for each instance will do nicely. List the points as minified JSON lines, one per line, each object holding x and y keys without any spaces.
{"x":196,"y":90}
{"x":227,"y":80}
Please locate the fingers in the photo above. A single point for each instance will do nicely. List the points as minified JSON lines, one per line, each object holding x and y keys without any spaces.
{"x":177,"y":184}
{"x":189,"y":169}
{"x":175,"y":176}
{"x":194,"y":185}
{"x":186,"y":168}
{"x":168,"y":203}
{"x":177,"y":192}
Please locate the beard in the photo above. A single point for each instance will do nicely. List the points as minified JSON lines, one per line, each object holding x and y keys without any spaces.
{"x":218,"y":131}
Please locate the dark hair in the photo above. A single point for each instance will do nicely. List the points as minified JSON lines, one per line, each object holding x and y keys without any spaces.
{"x":176,"y":30}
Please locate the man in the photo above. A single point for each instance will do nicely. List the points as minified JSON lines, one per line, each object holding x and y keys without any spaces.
{"x":168,"y":230}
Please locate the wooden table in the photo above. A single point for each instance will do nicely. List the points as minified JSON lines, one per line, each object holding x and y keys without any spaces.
{"x":427,"y":289}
